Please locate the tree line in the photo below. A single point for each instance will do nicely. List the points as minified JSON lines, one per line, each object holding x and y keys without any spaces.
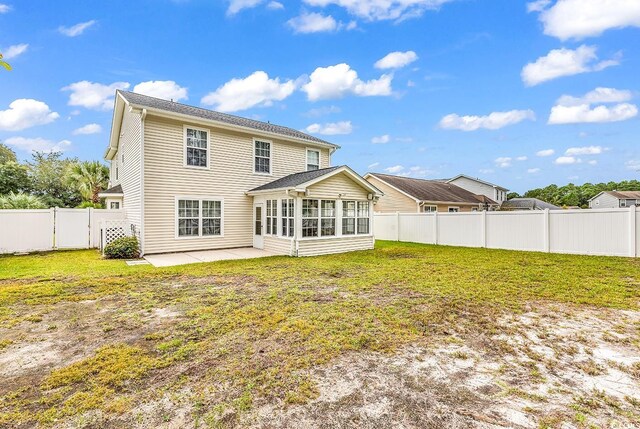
{"x":576,"y":195}
{"x":49,"y":180}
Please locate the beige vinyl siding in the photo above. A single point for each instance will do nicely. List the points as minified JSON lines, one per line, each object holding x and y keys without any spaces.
{"x":393,"y":200}
{"x":338,"y":186}
{"x":129,"y":171}
{"x":317,"y":246}
{"x":229,"y":176}
{"x":279,"y":246}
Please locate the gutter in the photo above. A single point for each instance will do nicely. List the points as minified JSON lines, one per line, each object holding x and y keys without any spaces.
{"x":143,"y":115}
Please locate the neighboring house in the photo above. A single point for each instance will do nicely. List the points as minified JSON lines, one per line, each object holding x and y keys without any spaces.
{"x":194,"y":179}
{"x":518,"y":204}
{"x":615,"y":199}
{"x":480,"y":187}
{"x":408,"y":195}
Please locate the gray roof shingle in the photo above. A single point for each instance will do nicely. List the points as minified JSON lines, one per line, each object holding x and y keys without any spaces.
{"x":113,"y":190}
{"x":295,"y":179}
{"x":527,"y":203}
{"x":622,"y":195}
{"x":198,"y":112}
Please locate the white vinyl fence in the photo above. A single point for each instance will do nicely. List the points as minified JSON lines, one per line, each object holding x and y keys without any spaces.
{"x":610,"y":232}
{"x":55,"y":228}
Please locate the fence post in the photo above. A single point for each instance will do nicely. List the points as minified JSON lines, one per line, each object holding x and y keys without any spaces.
{"x":90,"y":226}
{"x":52,"y":211}
{"x":435,"y":227}
{"x":632,"y":231}
{"x":397,"y":226}
{"x":483,"y":228}
{"x":546,"y":232}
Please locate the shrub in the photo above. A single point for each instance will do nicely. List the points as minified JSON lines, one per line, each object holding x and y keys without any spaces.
{"x":86,"y":204}
{"x":21,"y":201}
{"x":122,"y":248}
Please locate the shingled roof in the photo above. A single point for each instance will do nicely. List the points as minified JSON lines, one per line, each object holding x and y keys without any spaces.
{"x":432,"y":190}
{"x":625,"y":195}
{"x":295,"y":179}
{"x":527,"y":204}
{"x":113,"y":190}
{"x":211,"y":115}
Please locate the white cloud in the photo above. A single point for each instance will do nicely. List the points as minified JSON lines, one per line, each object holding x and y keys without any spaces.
{"x":339,"y":80}
{"x":92,"y":95}
{"x":533,"y":170}
{"x":564,"y":62}
{"x":503,"y":161}
{"x":236,"y":6}
{"x":633,"y":164}
{"x":331,"y":128}
{"x":374,"y":165}
{"x":4,"y":8}
{"x":598,"y":95}
{"x":395,"y":169}
{"x":521,"y":158}
{"x":88,"y":129}
{"x":493,"y":121}
{"x":77,"y":29}
{"x":538,"y":5}
{"x":585,"y":150}
{"x":275,"y":5}
{"x":381,"y":139}
{"x":577,"y":19}
{"x":396,"y":60}
{"x":165,"y":89}
{"x":567,"y":160}
{"x":37,"y":144}
{"x":593,"y":162}
{"x":15,"y":50}
{"x":257,"y":89}
{"x":377,"y":10}
{"x":545,"y":152}
{"x":313,"y":23}
{"x":574,"y":110}
{"x":25,"y":113}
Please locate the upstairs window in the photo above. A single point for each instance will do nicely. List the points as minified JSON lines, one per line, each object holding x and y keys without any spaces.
{"x":196,"y":147}
{"x":262,"y":159}
{"x":313,"y":159}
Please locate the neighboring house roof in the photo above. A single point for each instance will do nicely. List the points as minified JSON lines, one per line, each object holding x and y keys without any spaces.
{"x":198,"y":112}
{"x":477,"y":180}
{"x":306,"y":178}
{"x":430,"y":190}
{"x":527,"y":204}
{"x":485,"y":200}
{"x":621,"y":195}
{"x":113,"y":191}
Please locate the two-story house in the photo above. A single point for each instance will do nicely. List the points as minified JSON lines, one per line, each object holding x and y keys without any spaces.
{"x":615,"y":199}
{"x":477,"y":186}
{"x":193,"y":179}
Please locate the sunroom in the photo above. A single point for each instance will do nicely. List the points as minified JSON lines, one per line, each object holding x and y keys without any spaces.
{"x":314,"y":212}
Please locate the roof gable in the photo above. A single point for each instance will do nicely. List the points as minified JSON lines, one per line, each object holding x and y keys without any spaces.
{"x":475,"y":179}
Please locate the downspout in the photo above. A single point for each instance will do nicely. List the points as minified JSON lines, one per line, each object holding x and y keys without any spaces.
{"x":143,"y":115}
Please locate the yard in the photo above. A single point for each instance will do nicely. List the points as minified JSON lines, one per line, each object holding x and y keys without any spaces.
{"x":406,"y":335}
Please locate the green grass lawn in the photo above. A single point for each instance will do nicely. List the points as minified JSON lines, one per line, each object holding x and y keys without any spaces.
{"x":245,"y":331}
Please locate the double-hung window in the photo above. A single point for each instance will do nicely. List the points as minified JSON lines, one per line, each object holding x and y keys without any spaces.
{"x":363,"y":217}
{"x":429,"y":209}
{"x":272,"y":217}
{"x":310,"y":218}
{"x":288,"y":223}
{"x":196,"y":147}
{"x":327,"y":218}
{"x":348,"y":217}
{"x":313,"y":159}
{"x":199,"y":217}
{"x":262,"y":157}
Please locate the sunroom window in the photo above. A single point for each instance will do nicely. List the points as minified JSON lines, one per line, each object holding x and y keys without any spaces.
{"x":363,"y":217}
{"x":310,"y":218}
{"x":348,"y":217}
{"x":272,"y":217}
{"x":327,"y":218}
{"x":288,"y":223}
{"x":197,"y":147}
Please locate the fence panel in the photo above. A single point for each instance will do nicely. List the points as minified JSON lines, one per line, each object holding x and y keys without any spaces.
{"x":26,"y":230}
{"x":591,"y":232}
{"x":460,"y":229}
{"x":611,"y":232}
{"x":516,"y":230}
{"x":99,"y":217}
{"x":73,"y":228}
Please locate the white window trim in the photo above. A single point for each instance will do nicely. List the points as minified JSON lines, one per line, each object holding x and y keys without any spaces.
{"x":306,"y":163}
{"x":184,"y":147}
{"x":199,"y":198}
{"x":429,"y":205}
{"x":253,"y":157}
{"x":269,"y":219}
{"x":111,"y":203}
{"x":282,"y":218}
{"x":338,"y":218}
{"x":453,"y":207}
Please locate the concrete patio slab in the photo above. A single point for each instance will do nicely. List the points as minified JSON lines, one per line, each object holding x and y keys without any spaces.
{"x":182,"y":258}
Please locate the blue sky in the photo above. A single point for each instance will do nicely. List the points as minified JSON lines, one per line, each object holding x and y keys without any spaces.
{"x":519,"y":93}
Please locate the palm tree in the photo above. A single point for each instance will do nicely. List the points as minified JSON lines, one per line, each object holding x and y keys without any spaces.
{"x":89,"y":178}
{"x":20,"y":201}
{"x":4,"y":64}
